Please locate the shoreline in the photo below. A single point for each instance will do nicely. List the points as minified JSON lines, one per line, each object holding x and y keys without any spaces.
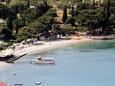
{"x":46,"y":46}
{"x":50,"y":45}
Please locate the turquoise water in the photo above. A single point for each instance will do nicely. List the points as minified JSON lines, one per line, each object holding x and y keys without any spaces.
{"x":85,"y":64}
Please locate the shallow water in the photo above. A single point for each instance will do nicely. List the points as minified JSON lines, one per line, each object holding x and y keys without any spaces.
{"x":84,"y":64}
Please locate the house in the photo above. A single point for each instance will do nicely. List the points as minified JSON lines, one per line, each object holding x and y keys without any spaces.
{"x":92,"y":1}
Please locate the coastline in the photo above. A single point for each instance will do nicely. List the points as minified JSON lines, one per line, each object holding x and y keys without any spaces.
{"x":46,"y":46}
{"x":32,"y":49}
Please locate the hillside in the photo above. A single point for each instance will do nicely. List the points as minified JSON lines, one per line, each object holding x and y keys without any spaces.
{"x":32,"y":2}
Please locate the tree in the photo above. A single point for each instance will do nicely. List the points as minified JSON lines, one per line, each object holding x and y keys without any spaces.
{"x":39,"y":9}
{"x":92,"y":26}
{"x":3,"y":11}
{"x":52,"y":12}
{"x":17,"y":26}
{"x":45,"y":6}
{"x":73,"y":12}
{"x":108,"y":9}
{"x":106,"y":15}
{"x":73,"y":17}
{"x":64,"y":18}
{"x":7,"y":32}
{"x":10,"y":24}
{"x":28,"y":3}
{"x":57,"y":30}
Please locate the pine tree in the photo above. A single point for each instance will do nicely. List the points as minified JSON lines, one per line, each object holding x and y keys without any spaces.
{"x":45,"y":6}
{"x":64,"y":18}
{"x":73,"y":15}
{"x":10,"y":24}
{"x":28,"y":3}
{"x":108,"y":9}
{"x":105,"y":22}
{"x":17,"y":26}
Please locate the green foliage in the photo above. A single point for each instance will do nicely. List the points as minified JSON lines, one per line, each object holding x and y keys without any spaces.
{"x":32,"y":21}
{"x":52,"y":12}
{"x":31,"y":14}
{"x":7,"y":33}
{"x":57,"y":29}
{"x":42,"y":25}
{"x":96,"y":18}
{"x":82,"y":28}
{"x":10,"y":24}
{"x":67,"y":29}
{"x":25,"y":33}
{"x":3,"y":11}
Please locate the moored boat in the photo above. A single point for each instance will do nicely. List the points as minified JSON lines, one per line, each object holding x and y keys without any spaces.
{"x":44,"y":60}
{"x":38,"y":83}
{"x":18,"y":84}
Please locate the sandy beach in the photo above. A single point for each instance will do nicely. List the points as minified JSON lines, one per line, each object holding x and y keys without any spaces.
{"x":48,"y":46}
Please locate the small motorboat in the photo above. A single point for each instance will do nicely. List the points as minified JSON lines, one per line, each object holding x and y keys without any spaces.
{"x":44,"y":60}
{"x":18,"y":84}
{"x":38,"y":83}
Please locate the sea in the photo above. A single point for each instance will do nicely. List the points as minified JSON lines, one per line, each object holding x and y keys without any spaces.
{"x":89,"y":63}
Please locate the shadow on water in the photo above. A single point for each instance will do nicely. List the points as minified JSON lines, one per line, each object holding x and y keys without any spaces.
{"x":90,"y":46}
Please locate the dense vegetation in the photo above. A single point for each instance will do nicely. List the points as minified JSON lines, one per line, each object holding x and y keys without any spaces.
{"x":24,"y":21}
{"x":97,"y":19}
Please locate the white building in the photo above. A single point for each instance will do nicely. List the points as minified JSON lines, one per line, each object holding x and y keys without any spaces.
{"x":91,"y":1}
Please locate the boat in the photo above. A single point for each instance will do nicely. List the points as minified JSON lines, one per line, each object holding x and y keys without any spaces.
{"x":38,"y":83}
{"x":44,"y":60}
{"x":18,"y":84}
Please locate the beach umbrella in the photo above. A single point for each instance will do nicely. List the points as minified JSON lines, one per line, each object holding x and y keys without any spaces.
{"x":2,"y":84}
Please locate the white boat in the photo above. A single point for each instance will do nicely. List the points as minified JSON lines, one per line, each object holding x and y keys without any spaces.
{"x":44,"y":60}
{"x":38,"y":83}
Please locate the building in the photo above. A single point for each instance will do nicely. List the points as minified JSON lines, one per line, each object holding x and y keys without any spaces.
{"x":92,"y":1}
